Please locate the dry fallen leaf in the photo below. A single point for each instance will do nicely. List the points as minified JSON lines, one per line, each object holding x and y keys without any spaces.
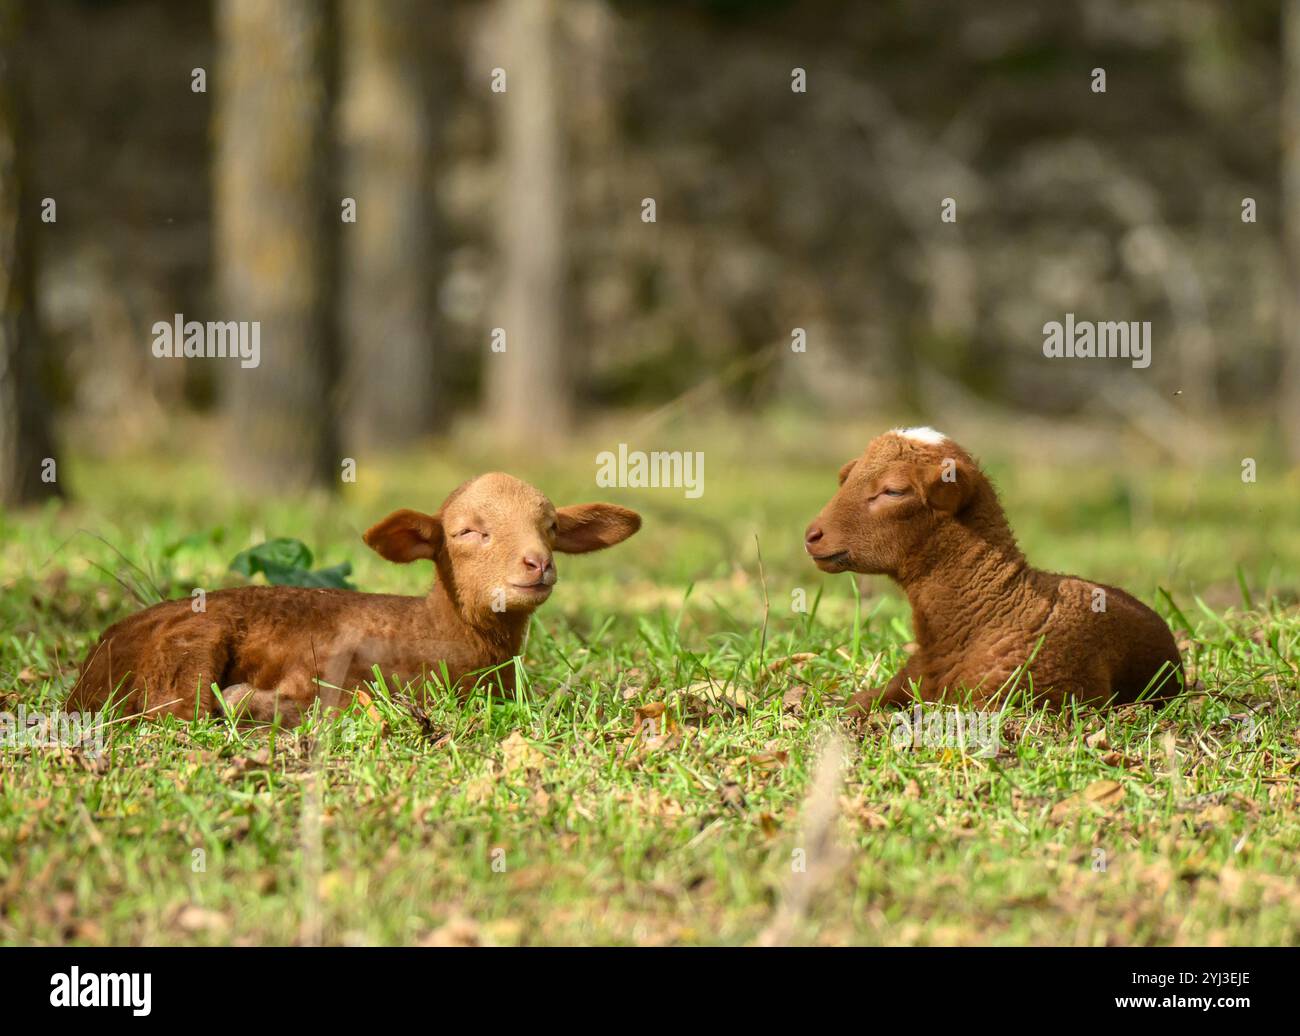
{"x":654,"y":728}
{"x":518,"y":754}
{"x":1215,"y":815}
{"x":715,"y":695}
{"x":368,"y":703}
{"x":1104,"y":794}
{"x":651,"y":717}
{"x":732,"y":796}
{"x":459,"y":931}
{"x":195,"y":919}
{"x":789,"y":660}
{"x":254,"y":761}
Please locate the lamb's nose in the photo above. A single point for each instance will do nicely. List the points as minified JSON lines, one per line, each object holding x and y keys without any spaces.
{"x":810,"y":537}
{"x":537,"y":563}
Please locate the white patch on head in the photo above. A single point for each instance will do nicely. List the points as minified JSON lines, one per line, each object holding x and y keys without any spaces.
{"x":926,"y":435}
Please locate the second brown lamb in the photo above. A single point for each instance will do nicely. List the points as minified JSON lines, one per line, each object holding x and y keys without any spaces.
{"x":916,"y":507}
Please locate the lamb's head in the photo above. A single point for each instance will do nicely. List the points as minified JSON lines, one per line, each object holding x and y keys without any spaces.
{"x":893,"y":500}
{"x":494,"y":540}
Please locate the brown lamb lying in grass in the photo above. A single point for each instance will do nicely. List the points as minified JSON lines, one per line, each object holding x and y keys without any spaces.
{"x":276,"y":649}
{"x":916,"y":507}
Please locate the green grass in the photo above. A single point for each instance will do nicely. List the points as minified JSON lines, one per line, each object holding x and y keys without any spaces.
{"x":576,"y":814}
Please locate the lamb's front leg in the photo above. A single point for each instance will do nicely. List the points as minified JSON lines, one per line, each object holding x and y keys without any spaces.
{"x":333,"y":674}
{"x":897,"y":692}
{"x":245,"y":703}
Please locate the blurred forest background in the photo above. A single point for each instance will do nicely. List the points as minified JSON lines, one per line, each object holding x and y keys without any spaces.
{"x":522,"y":209}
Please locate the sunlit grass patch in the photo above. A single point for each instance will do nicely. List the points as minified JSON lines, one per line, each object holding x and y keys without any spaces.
{"x":651,"y":781}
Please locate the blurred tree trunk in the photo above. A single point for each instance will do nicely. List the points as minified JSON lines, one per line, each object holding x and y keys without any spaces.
{"x":1289,"y":390}
{"x":529,"y":385}
{"x":277,"y":222}
{"x":26,"y":441}
{"x":388,"y":253}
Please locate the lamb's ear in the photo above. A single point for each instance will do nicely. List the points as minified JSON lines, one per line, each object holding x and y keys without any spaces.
{"x":406,"y":535}
{"x":950,"y":485}
{"x":585,"y":527}
{"x":844,"y":471}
